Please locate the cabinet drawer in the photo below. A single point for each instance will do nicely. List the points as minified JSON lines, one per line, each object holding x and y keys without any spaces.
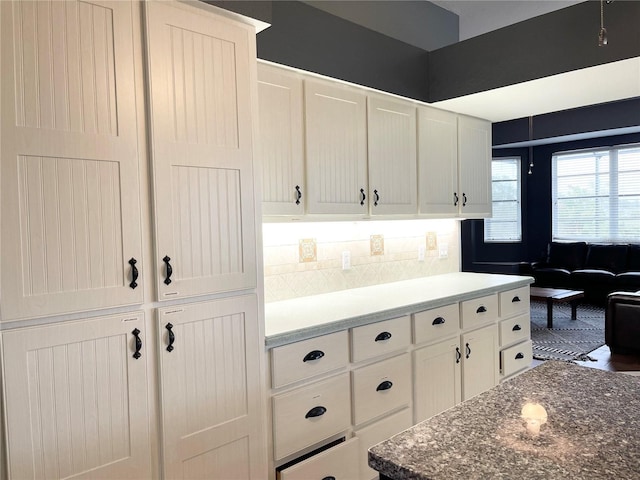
{"x":305,"y":359}
{"x":379,"y":338}
{"x":435,"y":324}
{"x":514,"y":302}
{"x":339,"y":462}
{"x":516,"y":358}
{"x":514,"y":330}
{"x":381,"y":387}
{"x":479,"y":311}
{"x":376,"y":433}
{"x":308,"y":415}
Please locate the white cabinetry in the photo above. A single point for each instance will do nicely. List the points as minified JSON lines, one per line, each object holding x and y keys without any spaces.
{"x":391,"y":132}
{"x":71,"y":237}
{"x":202,"y":153}
{"x":514,"y":332}
{"x":454,"y":164}
{"x":281,"y":141}
{"x":336,"y":143}
{"x":76,"y":399}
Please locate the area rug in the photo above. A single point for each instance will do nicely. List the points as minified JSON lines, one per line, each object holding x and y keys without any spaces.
{"x":568,"y":340}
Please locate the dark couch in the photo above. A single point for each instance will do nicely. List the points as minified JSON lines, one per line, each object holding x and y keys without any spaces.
{"x":622,"y":323}
{"x":597,"y":269}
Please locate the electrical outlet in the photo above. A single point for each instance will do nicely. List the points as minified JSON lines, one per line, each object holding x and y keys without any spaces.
{"x":421,"y":253}
{"x":346,"y":260}
{"x":444,"y":250}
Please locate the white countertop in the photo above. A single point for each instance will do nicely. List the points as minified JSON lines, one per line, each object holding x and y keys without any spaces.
{"x":297,"y":319}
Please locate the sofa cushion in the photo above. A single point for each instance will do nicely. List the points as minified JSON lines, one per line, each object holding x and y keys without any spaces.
{"x":552,"y":277}
{"x":612,"y":258}
{"x":570,"y":256}
{"x":633,"y":258}
{"x":627,"y":281}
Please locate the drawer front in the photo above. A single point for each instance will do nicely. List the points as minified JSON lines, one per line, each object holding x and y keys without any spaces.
{"x":339,"y":462}
{"x":379,"y":338}
{"x":479,"y":311}
{"x":516,"y":358}
{"x":301,"y":360}
{"x":376,"y":433}
{"x":514,"y":330}
{"x":514,"y":302}
{"x":381,"y":387}
{"x":308,"y":415}
{"x":436,"y":324}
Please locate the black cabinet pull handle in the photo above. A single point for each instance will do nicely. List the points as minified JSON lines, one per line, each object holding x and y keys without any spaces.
{"x":386,"y":385}
{"x":516,"y":328}
{"x":136,"y":333}
{"x":376,"y":198}
{"x":313,"y":355}
{"x":315,"y":412}
{"x":464,"y":199}
{"x":298,"y":194}
{"x":172,"y":337}
{"x":481,"y":309}
{"x":515,"y":299}
{"x":437,"y":321}
{"x":134,"y":272}
{"x":330,"y":477}
{"x":168,"y":269}
{"x":519,"y":356}
{"x":458,"y":355}
{"x":455,"y":199}
{"x":383,"y":336}
{"x":363,"y":196}
{"x":468,"y":350}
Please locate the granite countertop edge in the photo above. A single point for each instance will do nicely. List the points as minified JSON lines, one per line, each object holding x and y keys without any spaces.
{"x":305,"y":332}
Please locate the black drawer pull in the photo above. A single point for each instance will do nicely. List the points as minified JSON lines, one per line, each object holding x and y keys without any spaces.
{"x":455,"y":199}
{"x":437,"y":321}
{"x":331,"y":477}
{"x":172,"y":337}
{"x":313,"y":355}
{"x":383,"y":336}
{"x":519,"y":356}
{"x":481,"y":309}
{"x":468,"y":350}
{"x":298,"y":194}
{"x":386,"y":385}
{"x":315,"y":412}
{"x":376,"y":198}
{"x":168,"y":269}
{"x":458,"y":355}
{"x":134,"y":273}
{"x":363,"y":196}
{"x":464,"y":199}
{"x":516,"y":328}
{"x":515,"y":299}
{"x":136,"y":333}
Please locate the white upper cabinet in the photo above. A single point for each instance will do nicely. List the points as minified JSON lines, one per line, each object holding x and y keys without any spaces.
{"x":200,"y":76}
{"x":71,"y":237}
{"x":281,"y":141}
{"x":438,"y":162}
{"x":393,"y":186}
{"x":474,"y":153}
{"x":336,"y":147}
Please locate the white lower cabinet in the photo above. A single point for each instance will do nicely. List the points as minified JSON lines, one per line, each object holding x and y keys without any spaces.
{"x":338,"y":463}
{"x":479,"y":361}
{"x":76,"y":399}
{"x":516,"y":353}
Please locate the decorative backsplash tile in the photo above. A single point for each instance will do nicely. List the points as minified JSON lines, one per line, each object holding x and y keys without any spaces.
{"x":306,"y":259}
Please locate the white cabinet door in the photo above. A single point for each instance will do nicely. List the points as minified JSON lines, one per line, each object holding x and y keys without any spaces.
{"x":201,"y":131}
{"x":336,"y":141}
{"x":76,"y":400}
{"x":438,"y":162}
{"x":211,"y":390}
{"x":480,"y":361}
{"x":438,"y":379}
{"x":281,"y":149}
{"x":393,"y":186}
{"x":69,"y":157}
{"x":474,"y":150}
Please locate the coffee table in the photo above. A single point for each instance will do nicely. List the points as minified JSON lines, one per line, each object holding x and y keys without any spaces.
{"x":557,"y":295}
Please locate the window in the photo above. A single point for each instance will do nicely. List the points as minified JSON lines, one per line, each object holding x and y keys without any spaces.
{"x":505,"y":224}
{"x":596,"y":195}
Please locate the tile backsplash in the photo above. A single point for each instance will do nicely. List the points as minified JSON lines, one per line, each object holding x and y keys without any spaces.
{"x":302,"y":259}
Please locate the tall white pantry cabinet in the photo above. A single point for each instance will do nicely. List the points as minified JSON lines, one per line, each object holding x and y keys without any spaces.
{"x":130,"y":307}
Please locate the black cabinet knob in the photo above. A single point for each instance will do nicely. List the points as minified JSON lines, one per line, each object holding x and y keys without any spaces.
{"x":313,"y":355}
{"x":316,"y":412}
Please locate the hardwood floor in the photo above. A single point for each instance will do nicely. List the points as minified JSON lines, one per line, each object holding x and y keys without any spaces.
{"x":606,"y":361}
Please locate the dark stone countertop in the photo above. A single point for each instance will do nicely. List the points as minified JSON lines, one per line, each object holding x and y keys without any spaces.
{"x":592,"y":431}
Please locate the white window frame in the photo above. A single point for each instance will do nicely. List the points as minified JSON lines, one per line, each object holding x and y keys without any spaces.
{"x":518,"y":200}
{"x":613,"y":235}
